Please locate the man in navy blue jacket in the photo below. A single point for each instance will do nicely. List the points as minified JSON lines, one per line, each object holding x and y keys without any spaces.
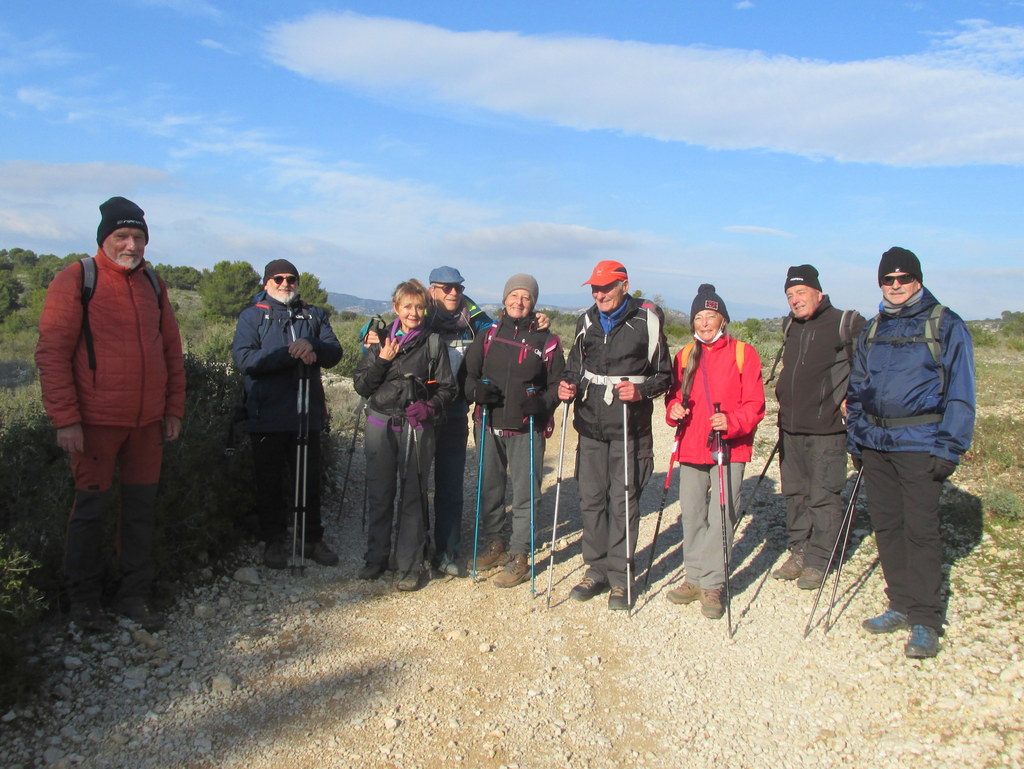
{"x":910,"y":411}
{"x":279,"y":340}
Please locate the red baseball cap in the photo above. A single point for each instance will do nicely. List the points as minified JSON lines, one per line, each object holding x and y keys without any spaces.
{"x":605,"y":273}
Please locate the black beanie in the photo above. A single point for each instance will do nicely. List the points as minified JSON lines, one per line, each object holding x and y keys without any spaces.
{"x":117,"y":213}
{"x":803,"y":275}
{"x":898,"y":259}
{"x":279,"y":267}
{"x":707,"y":299}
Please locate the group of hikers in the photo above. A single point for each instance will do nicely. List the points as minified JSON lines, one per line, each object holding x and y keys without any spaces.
{"x":895,"y":393}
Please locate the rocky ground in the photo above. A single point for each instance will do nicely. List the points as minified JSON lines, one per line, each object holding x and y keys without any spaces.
{"x":258,"y":668}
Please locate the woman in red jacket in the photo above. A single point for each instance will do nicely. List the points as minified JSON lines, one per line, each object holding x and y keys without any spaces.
{"x":716,"y":390}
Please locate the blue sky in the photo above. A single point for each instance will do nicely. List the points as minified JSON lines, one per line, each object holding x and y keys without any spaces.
{"x":695,"y":140}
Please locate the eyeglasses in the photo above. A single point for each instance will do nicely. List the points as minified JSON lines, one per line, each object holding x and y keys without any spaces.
{"x":449,"y":287}
{"x":291,"y":280}
{"x":903,"y":279}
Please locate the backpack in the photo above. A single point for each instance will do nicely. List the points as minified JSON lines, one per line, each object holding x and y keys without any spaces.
{"x":653,"y":328}
{"x":845,"y":336}
{"x":548,"y":354}
{"x":741,"y":351}
{"x":932,"y":339}
{"x":89,"y":288}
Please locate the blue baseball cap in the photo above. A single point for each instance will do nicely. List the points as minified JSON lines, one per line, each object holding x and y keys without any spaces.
{"x":446,"y":275}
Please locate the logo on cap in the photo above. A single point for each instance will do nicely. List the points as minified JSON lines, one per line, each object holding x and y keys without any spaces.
{"x":711,"y":304}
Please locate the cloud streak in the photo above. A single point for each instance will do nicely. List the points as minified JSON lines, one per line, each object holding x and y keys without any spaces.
{"x":960,"y":102}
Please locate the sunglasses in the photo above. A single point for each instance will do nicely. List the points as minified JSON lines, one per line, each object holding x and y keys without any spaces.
{"x":903,"y":279}
{"x":291,"y":280}
{"x":449,"y":287}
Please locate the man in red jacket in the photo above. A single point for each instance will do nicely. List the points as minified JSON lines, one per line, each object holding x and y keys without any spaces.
{"x":113,"y":386}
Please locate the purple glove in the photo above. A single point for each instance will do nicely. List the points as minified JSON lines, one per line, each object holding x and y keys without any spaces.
{"x":419,"y":413}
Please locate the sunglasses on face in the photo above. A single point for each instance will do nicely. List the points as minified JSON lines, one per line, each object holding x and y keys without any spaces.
{"x":291,"y":280}
{"x":903,"y":279}
{"x":449,"y":287}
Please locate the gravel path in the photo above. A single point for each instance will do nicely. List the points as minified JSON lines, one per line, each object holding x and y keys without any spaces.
{"x":264,"y":669}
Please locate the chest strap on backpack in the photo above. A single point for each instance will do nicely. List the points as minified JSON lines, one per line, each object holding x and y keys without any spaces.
{"x":920,"y":419}
{"x":608,"y":382}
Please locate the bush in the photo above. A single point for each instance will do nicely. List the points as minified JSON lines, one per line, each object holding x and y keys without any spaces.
{"x":1000,"y":502}
{"x":20,"y":606}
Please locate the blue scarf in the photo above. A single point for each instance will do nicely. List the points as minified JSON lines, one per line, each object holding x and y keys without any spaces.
{"x":609,"y":320}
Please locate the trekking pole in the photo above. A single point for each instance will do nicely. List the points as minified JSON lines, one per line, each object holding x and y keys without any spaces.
{"x":718,"y":454}
{"x":358,"y":411}
{"x":479,"y":481}
{"x":530,"y":390}
{"x":408,"y":396}
{"x":850,"y":513}
{"x":625,"y":483}
{"x":750,"y":501}
{"x":301,"y":473}
{"x":845,"y":526}
{"x":558,"y":497}
{"x":661,"y":507}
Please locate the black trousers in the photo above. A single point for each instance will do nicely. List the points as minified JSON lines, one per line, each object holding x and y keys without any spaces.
{"x":903,"y":501}
{"x":274,"y":457}
{"x":813,"y":470}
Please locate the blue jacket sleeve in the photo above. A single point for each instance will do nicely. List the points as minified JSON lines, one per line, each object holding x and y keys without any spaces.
{"x":854,"y":411}
{"x":326,"y":345}
{"x":250,"y":356}
{"x":957,"y":427}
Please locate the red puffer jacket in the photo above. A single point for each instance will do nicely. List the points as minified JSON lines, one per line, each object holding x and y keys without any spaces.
{"x":740,"y":393}
{"x":139,"y":377}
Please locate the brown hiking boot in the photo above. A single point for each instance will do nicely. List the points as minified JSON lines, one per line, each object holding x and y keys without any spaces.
{"x":516,"y":572}
{"x":711,"y":604}
{"x":791,"y":568}
{"x":685,"y":593}
{"x":493,"y":556}
{"x":810,"y":578}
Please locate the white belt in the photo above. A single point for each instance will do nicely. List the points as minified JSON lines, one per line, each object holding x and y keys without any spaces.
{"x":608,"y":381}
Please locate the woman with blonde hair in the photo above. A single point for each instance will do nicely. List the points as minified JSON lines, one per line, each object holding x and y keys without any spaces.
{"x":407,"y":381}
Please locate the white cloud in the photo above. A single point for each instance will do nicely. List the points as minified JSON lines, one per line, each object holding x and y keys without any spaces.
{"x":744,"y":5}
{"x":186,"y":7}
{"x":530,"y":240}
{"x":216,"y":46}
{"x":959,"y":103}
{"x":749,"y":229}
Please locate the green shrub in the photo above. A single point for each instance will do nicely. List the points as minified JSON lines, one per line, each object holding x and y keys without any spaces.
{"x":20,"y":606}
{"x":1000,"y":502}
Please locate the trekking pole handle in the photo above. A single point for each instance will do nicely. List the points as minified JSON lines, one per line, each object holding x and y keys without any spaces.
{"x":718,"y":450}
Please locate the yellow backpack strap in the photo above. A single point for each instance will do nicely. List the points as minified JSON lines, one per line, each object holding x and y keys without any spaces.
{"x":684,"y":356}
{"x":741,"y":351}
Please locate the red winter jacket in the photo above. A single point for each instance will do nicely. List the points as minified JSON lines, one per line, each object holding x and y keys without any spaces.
{"x":741,"y":395}
{"x":139,"y":377}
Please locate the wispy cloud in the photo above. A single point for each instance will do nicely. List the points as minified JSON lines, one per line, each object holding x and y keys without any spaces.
{"x":216,"y":46}
{"x":959,"y":102}
{"x":749,"y":229}
{"x":538,"y":239}
{"x":186,"y":7}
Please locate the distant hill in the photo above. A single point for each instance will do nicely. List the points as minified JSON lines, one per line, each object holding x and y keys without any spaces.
{"x":358,"y":305}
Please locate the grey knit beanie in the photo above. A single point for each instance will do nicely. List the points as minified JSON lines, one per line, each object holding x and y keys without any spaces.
{"x":524,"y":281}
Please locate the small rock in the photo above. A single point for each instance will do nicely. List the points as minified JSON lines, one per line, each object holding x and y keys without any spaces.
{"x":391,"y":723}
{"x":248,"y":575}
{"x":9,"y":716}
{"x":222,"y":683}
{"x":204,"y":611}
{"x":72,"y":663}
{"x":485,"y":648}
{"x":148,"y":640}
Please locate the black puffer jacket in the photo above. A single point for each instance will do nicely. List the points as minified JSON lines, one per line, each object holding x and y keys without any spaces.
{"x":815,"y":370}
{"x":384,"y":383}
{"x":627,"y":350}
{"x":513,"y":361}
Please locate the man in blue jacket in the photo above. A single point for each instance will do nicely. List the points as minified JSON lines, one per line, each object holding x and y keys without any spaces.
{"x":910,"y":411}
{"x":280,"y":341}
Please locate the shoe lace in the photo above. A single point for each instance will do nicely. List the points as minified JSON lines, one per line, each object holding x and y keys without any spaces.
{"x":920,"y":635}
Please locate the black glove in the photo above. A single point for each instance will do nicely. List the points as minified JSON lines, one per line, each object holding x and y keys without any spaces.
{"x":487,"y":394}
{"x":858,"y":463}
{"x":940,"y":469}
{"x":534,"y":406}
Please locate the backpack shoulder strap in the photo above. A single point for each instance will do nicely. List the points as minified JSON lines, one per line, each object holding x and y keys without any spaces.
{"x":264,"y":328}
{"x":88,"y":289}
{"x":741,"y":352}
{"x":653,"y":330}
{"x":684,"y":355}
{"x":155,"y":282}
{"x":934,"y":342}
{"x":782,"y":347}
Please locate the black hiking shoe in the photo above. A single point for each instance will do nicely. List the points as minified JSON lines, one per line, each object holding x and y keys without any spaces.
{"x":411,"y":580}
{"x":139,"y":612}
{"x":923,"y":643}
{"x":617,"y":600}
{"x":275,"y":556}
{"x":888,"y":621}
{"x":321,"y":554}
{"x":90,"y":617}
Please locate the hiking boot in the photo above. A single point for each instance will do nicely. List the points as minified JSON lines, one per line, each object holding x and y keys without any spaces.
{"x":587,"y":589}
{"x":888,"y":621}
{"x":275,"y":556}
{"x":516,"y":572}
{"x":617,"y":600}
{"x":372,"y":570}
{"x":139,"y":612}
{"x":449,"y":567}
{"x":711,"y":604}
{"x":685,"y":593}
{"x":90,"y":617}
{"x":923,"y":643}
{"x":792,"y":568}
{"x":493,"y":555}
{"x":321,"y":554}
{"x":810,"y":578}
{"x":410,"y":581}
